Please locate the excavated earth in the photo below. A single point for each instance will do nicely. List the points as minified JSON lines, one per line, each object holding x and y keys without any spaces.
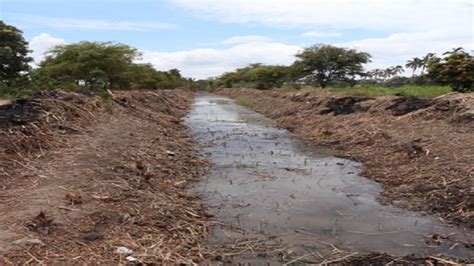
{"x":420,"y":150}
{"x":89,"y":180}
{"x":118,"y":180}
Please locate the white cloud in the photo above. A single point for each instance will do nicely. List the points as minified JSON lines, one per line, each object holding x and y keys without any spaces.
{"x":412,"y":27}
{"x":409,"y":15}
{"x":319,"y":34}
{"x":41,"y":44}
{"x":204,"y":63}
{"x":394,"y":49}
{"x":91,"y":24}
{"x":245,"y":39}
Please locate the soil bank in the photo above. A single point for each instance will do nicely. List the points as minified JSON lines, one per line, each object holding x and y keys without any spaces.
{"x":88,"y":181}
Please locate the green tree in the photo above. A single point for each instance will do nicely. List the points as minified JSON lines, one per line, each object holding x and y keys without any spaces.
{"x":144,"y":76}
{"x":295,"y":72}
{"x":266,"y":77}
{"x":454,"y":50}
{"x":323,"y":64}
{"x":175,"y":73}
{"x":455,"y":69}
{"x":376,"y":74}
{"x":424,"y":62}
{"x":256,"y":75}
{"x":392,"y":71}
{"x":14,"y":57}
{"x":414,"y":64}
{"x":94,"y":65}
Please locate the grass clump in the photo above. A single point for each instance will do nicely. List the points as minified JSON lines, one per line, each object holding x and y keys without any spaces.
{"x":244,"y":100}
{"x":245,"y":166}
{"x":374,"y":90}
{"x":407,"y":90}
{"x":107,"y":99}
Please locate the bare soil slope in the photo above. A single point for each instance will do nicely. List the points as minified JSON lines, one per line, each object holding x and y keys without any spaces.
{"x":88,"y":181}
{"x":421,"y":150}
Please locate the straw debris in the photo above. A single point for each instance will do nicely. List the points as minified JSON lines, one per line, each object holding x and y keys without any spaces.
{"x":110,"y":178}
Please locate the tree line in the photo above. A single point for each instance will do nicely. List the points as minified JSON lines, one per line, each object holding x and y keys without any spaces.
{"x":98,"y":66}
{"x":324,"y":65}
{"x":83,"y":66}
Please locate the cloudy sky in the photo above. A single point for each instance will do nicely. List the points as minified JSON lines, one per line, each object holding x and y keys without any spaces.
{"x":205,"y":38}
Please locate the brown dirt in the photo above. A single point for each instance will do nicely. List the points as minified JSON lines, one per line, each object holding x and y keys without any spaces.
{"x":420,"y":150}
{"x":386,"y":259}
{"x":3,"y":102}
{"x":85,"y":177}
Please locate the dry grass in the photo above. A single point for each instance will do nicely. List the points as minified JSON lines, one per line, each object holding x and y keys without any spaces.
{"x":130,"y":167}
{"x":243,"y":100}
{"x":3,"y":102}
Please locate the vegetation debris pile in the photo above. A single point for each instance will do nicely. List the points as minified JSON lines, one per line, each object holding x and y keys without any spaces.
{"x":119,"y":182}
{"x":29,"y":127}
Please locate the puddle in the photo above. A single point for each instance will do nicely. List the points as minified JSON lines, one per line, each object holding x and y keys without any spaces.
{"x":269,"y":185}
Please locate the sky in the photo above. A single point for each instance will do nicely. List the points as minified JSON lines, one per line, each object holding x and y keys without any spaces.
{"x":205,"y":38}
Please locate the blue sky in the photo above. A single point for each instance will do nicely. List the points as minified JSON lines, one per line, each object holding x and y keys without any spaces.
{"x":205,"y":38}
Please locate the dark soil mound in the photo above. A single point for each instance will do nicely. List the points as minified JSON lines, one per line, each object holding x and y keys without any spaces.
{"x":344,"y":105}
{"x":407,"y":105}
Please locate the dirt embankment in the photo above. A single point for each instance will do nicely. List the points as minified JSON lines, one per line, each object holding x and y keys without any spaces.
{"x":88,"y":181}
{"x":420,"y":150}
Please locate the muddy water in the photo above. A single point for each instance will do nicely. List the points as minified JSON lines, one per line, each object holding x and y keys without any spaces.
{"x":268,"y":185}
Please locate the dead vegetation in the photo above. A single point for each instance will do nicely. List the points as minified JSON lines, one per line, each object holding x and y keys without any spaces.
{"x":419,"y":149}
{"x":32,"y":126}
{"x":386,"y":259}
{"x":85,"y":183}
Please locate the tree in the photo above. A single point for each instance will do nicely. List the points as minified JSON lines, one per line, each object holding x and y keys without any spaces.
{"x":414,"y":64}
{"x":144,"y":76}
{"x":256,"y":75}
{"x":295,"y":72}
{"x":323,"y":64}
{"x":393,"y":71}
{"x":94,"y":65}
{"x":377,"y":74}
{"x":424,"y":61}
{"x":175,"y":73}
{"x":13,"y":54}
{"x":267,"y":77}
{"x":171,"y":79}
{"x":456,"y":69}
{"x":454,"y":50}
